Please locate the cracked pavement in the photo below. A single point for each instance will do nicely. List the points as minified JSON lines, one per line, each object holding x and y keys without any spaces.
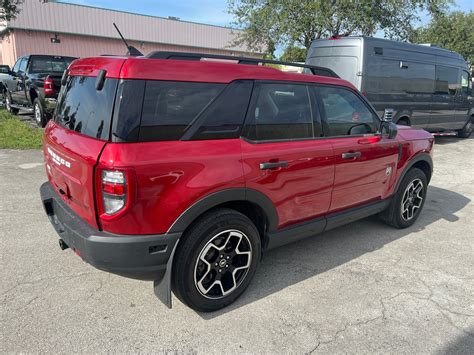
{"x":361,"y":288}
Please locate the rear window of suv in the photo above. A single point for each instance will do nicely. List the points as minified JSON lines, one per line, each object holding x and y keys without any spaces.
{"x":84,"y":109}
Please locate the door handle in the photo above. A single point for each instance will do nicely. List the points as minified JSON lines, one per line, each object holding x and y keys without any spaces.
{"x":273,"y":165}
{"x":350,"y":155}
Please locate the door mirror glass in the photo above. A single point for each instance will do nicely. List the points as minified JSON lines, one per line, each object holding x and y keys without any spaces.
{"x":389,"y":129}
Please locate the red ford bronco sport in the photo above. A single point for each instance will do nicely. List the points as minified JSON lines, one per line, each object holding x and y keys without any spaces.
{"x":185,"y":171}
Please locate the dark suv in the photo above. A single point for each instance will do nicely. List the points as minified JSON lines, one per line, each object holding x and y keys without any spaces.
{"x":185,"y":171}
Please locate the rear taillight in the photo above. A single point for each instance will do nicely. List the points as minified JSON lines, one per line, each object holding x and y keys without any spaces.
{"x":113,"y":190}
{"x":49,"y":86}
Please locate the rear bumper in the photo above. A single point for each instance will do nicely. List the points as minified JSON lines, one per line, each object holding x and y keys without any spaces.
{"x":138,"y":257}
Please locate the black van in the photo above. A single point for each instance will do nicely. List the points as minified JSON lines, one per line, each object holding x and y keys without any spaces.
{"x":418,"y":85}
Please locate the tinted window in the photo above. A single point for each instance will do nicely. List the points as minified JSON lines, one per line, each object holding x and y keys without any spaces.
{"x":399,"y":76}
{"x":345,"y":112}
{"x":447,"y":80}
{"x":17,"y":65}
{"x":466,"y":82}
{"x":128,"y":111}
{"x":84,"y":109}
{"x":280,"y":111}
{"x":225,"y":116}
{"x":23,"y":63}
{"x":170,"y":107}
{"x":49,"y":64}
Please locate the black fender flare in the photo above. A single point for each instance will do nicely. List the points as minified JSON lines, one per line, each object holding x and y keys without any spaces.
{"x":425,"y":157}
{"x":220,"y":197}
{"x":162,"y":287}
{"x":36,"y":91}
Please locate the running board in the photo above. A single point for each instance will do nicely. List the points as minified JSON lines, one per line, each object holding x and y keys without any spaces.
{"x":322,"y":224}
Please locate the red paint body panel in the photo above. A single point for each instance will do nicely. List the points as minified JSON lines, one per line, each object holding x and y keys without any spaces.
{"x":364,"y":179}
{"x":170,"y":177}
{"x":92,"y":66}
{"x":302,"y":190}
{"x":76,"y":181}
{"x":414,"y":142}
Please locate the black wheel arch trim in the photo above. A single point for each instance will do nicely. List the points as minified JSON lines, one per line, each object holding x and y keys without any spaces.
{"x":229,"y":195}
{"x":425,"y":157}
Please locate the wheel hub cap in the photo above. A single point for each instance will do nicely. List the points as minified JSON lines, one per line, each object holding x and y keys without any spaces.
{"x":412,"y":199}
{"x":223,"y":264}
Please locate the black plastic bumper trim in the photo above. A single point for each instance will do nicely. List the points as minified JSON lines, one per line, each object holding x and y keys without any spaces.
{"x":143,"y":257}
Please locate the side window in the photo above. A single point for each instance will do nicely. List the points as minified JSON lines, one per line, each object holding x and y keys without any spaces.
{"x":225,"y":116}
{"x":280,"y":111}
{"x":17,"y":65}
{"x":345,"y":112}
{"x":447,"y":80}
{"x":170,"y":107}
{"x":466,"y":83}
{"x":23,"y":63}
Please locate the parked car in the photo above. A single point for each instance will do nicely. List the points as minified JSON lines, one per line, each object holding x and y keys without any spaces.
{"x":33,"y":84}
{"x":416,"y":85}
{"x":184,"y":172}
{"x":4,"y":75}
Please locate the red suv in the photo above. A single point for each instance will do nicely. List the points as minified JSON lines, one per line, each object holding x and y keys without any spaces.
{"x":185,"y":171}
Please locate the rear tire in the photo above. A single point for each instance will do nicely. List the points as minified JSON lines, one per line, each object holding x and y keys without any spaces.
{"x":8,"y":104}
{"x":39,"y":114}
{"x":408,"y":201}
{"x":466,"y":131}
{"x":216,"y":259}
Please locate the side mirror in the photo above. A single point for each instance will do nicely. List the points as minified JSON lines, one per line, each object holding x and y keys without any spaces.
{"x":389,"y":129}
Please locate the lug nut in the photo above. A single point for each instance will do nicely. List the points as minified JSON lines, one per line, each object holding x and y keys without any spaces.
{"x":228,"y":257}
{"x":222,"y":256}
{"x":220,"y":270}
{"x":227,"y":266}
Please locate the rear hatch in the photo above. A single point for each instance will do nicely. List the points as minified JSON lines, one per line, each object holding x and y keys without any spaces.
{"x":78,"y":132}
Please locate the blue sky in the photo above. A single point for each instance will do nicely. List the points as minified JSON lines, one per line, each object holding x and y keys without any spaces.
{"x":213,"y":12}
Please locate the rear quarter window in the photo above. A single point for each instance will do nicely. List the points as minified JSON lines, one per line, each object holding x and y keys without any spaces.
{"x":84,"y":109}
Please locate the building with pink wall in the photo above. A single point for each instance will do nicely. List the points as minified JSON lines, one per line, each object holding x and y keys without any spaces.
{"x":75,"y":30}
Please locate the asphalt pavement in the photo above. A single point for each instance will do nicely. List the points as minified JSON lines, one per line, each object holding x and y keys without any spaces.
{"x":361,"y":288}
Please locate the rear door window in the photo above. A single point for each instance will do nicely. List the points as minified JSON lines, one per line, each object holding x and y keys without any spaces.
{"x":280,"y":111}
{"x":170,"y":107}
{"x":224,"y":118}
{"x":84,"y":109}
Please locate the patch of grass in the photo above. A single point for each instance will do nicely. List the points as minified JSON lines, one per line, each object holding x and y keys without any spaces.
{"x":15,"y":134}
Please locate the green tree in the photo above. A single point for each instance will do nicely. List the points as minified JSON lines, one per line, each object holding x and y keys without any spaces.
{"x":272,"y":23}
{"x":453,"y":31}
{"x":294,"y":54}
{"x":9,"y":9}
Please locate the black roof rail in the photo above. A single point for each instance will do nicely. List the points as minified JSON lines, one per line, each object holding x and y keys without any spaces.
{"x":241,"y":60}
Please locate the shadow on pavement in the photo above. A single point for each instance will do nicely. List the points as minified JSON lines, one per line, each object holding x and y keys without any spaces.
{"x":293,"y":263}
{"x":461,"y":345}
{"x":442,"y":140}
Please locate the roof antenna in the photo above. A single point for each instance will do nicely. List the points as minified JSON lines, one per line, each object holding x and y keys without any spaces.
{"x":132,"y":51}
